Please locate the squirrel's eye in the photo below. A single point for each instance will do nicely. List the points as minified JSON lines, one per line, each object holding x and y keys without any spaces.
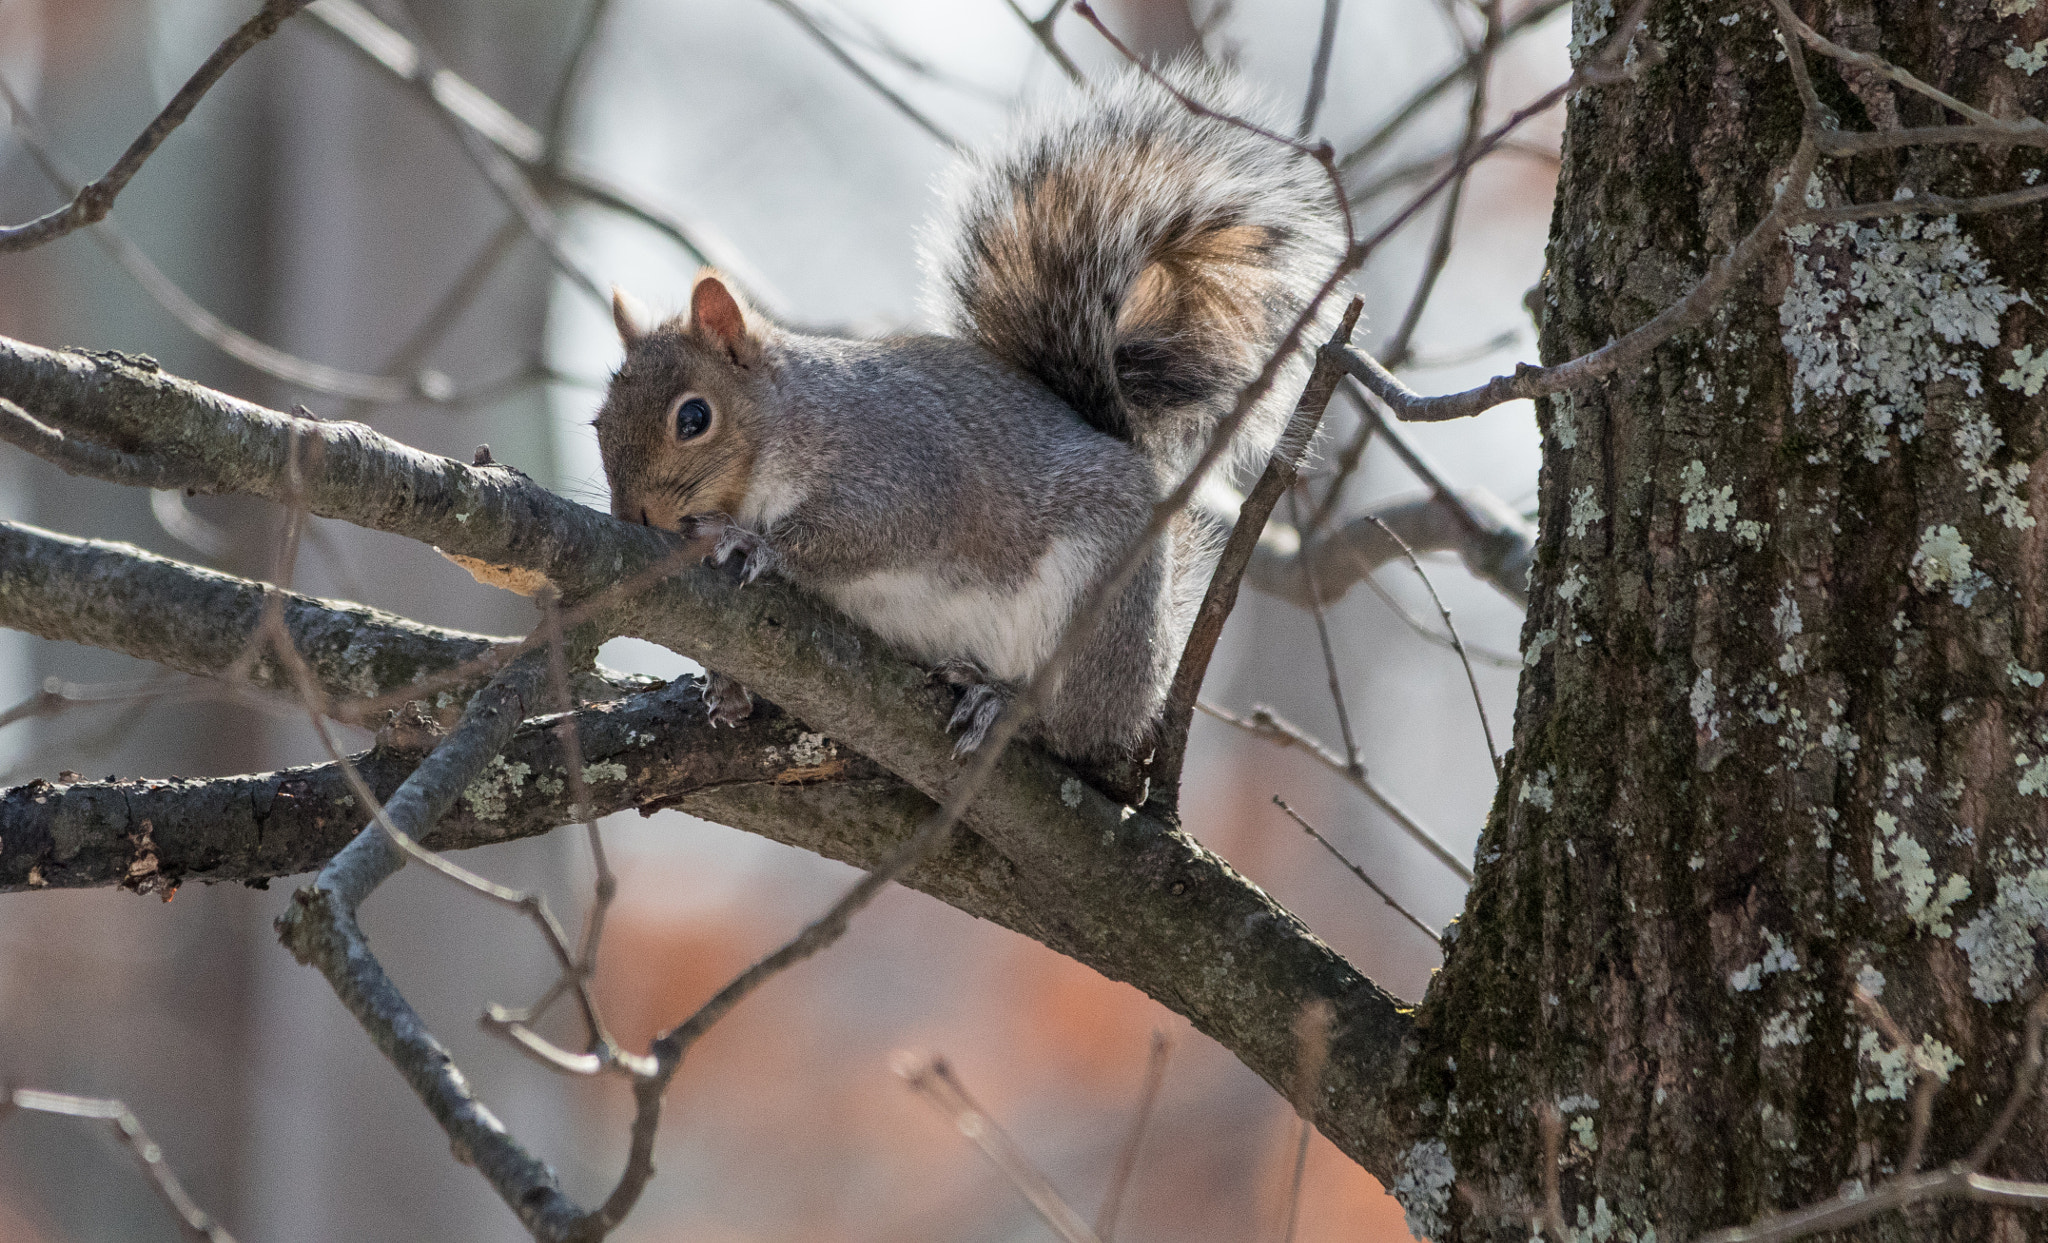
{"x":691,"y":417}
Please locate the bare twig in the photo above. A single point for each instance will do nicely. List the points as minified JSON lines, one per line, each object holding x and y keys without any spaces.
{"x":1319,"y":72}
{"x":1357,"y":871}
{"x":1221,"y":596}
{"x":1313,"y":590}
{"x":1457,"y":644}
{"x":1311,"y":1054}
{"x":1878,"y":64}
{"x":2024,"y":1081}
{"x":1550,"y":1125}
{"x":823,"y":38}
{"x":556,"y":128}
{"x":1041,"y":30}
{"x":1141,"y":1119}
{"x":1688,"y":312}
{"x":268,"y":359}
{"x":1399,"y":349}
{"x":193,"y":1221}
{"x":933,"y":1079}
{"x":448,"y":92}
{"x":1398,"y":121}
{"x":92,"y":203}
{"x":1264,"y":723}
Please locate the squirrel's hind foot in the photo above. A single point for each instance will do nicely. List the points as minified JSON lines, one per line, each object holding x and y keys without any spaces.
{"x":982,"y":703}
{"x":726,"y":702}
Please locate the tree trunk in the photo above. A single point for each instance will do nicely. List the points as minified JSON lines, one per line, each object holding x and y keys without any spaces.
{"x":1783,"y":730}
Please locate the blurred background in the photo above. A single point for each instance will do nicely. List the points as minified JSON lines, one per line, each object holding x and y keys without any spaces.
{"x":324,"y":207}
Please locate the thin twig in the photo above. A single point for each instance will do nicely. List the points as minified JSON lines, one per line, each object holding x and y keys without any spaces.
{"x":1878,"y":64}
{"x":1221,"y":597}
{"x":1312,"y":1026}
{"x":1551,"y":1127}
{"x":1688,"y":312}
{"x":1041,"y":30}
{"x":268,"y":359}
{"x":92,"y":203}
{"x":448,"y":92}
{"x":1399,"y":349}
{"x":1421,"y":630}
{"x":1457,"y":644}
{"x":1398,"y":121}
{"x":1264,"y":723}
{"x":823,"y":38}
{"x":1319,"y":73}
{"x":502,"y":173}
{"x":193,"y":1221}
{"x":934,"y":1080}
{"x":556,"y":128}
{"x":1357,"y":871}
{"x":1141,"y":1119}
{"x":1315,"y":608}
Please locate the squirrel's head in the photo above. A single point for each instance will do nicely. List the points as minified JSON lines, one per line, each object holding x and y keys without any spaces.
{"x":678,"y":428}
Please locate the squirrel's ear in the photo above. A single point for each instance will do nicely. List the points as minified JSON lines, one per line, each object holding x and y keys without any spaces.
{"x":628,"y":316}
{"x":716,"y":313}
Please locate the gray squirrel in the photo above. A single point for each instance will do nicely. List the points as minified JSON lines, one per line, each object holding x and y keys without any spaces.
{"x":1113,"y":277}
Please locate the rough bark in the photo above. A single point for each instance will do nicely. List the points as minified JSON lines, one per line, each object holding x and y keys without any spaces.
{"x":1784,"y":717}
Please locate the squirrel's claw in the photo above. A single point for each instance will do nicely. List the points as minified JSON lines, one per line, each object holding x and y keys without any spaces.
{"x":726,"y":702}
{"x":757,"y":556}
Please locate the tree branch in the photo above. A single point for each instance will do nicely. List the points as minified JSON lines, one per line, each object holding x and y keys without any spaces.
{"x":1131,"y":895}
{"x":91,"y":204}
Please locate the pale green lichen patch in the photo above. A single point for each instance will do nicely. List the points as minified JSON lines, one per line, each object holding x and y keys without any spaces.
{"x":2000,"y":940}
{"x":811,"y":750}
{"x":603,"y":770}
{"x":1537,"y":790}
{"x":2033,"y":775}
{"x":1785,"y":1028}
{"x":1702,"y":703}
{"x":1423,"y":1187}
{"x":1777,"y":957}
{"x":1586,"y":511}
{"x":2028,"y":60}
{"x":491,"y":793}
{"x":1926,"y":905}
{"x":1872,"y":310}
{"x":1942,"y":563}
{"x":2029,"y":371}
{"x":2020,"y":675}
{"x":1583,"y":1135}
{"x":1977,"y":439}
{"x":1705,"y":508}
{"x":1896,"y":1069}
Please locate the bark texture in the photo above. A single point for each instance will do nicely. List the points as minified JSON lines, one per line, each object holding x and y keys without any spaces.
{"x":1783,"y":725}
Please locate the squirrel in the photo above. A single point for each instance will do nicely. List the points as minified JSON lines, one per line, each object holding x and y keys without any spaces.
{"x":1113,"y":278}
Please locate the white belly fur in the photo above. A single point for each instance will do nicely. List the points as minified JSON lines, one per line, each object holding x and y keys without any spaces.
{"x":1010,"y":633}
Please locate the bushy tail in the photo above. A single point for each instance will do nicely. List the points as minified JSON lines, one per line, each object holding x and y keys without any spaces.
{"x":1140,"y":260}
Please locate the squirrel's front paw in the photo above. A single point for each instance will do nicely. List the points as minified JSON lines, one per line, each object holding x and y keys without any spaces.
{"x":982,"y":701}
{"x":756,"y":556}
{"x":726,"y":702}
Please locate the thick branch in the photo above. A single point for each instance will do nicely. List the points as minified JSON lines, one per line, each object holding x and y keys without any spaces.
{"x":1128,"y":888}
{"x":199,"y":621}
